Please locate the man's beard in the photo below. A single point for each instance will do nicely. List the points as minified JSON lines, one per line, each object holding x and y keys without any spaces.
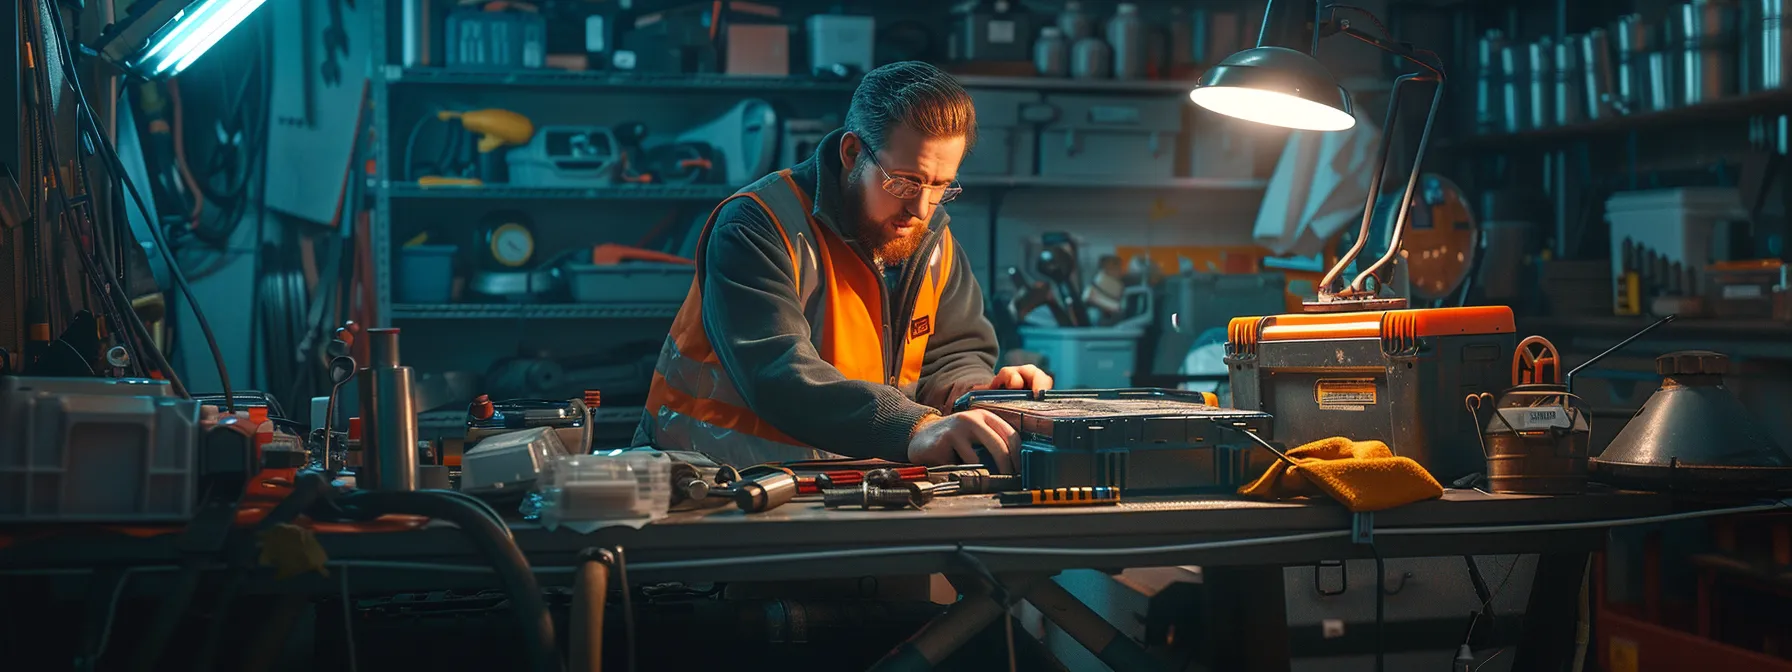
{"x":878,"y":238}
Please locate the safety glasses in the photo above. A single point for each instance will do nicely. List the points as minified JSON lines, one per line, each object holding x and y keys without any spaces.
{"x":905,"y":188}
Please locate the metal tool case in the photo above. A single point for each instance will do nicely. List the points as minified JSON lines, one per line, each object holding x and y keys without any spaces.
{"x":1397,"y":376}
{"x":1142,"y":441}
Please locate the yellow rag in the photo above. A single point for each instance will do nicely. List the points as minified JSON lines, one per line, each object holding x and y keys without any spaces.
{"x":1361,"y":475}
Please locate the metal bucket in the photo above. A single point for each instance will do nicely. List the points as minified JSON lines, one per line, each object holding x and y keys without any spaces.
{"x":1535,"y":441}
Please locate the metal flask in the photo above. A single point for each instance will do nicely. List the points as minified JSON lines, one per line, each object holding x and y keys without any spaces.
{"x":1538,"y":59}
{"x":1631,"y":44}
{"x":1566,"y":93}
{"x":1489,"y":93}
{"x":1767,"y":46}
{"x":1596,"y":74}
{"x":1705,"y":33}
{"x":1515,"y":87}
{"x":388,"y":417}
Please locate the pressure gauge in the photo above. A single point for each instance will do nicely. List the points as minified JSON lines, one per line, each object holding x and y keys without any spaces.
{"x":508,"y":240}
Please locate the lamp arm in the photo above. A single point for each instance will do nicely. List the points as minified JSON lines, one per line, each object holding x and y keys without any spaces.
{"x":1381,"y":166}
{"x":1412,"y":180}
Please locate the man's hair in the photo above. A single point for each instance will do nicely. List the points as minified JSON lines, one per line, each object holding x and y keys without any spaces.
{"x":913,"y":94}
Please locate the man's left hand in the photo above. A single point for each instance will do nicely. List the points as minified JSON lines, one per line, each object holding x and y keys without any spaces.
{"x":1026,"y":377}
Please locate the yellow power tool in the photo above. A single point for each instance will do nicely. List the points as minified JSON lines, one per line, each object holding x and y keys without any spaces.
{"x":495,"y":129}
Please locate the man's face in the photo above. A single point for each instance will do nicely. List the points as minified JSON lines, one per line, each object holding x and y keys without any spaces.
{"x":892,"y":228}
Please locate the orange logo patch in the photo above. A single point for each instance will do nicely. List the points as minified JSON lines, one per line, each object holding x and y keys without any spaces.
{"x":920,"y":326}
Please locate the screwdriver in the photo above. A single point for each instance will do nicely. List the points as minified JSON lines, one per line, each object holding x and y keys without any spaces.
{"x":1085,"y":496}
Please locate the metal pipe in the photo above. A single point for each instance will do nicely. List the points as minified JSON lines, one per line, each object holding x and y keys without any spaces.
{"x":1089,"y":628}
{"x":586,"y":622}
{"x":388,"y":417}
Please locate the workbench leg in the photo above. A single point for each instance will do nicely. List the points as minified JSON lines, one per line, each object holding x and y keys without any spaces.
{"x":949,"y":631}
{"x":1547,"y":644}
{"x":586,"y":622}
{"x":1090,"y":629}
{"x":1249,"y":618}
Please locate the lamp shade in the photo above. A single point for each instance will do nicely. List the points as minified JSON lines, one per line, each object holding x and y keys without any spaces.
{"x":1275,"y":86}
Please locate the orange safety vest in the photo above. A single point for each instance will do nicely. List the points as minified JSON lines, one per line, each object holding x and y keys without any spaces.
{"x":694,"y":405}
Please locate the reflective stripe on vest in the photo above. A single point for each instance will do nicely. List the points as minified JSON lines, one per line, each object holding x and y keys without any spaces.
{"x":694,"y":405}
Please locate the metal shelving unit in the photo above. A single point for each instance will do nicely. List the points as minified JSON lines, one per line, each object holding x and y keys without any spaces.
{"x":589,"y":311}
{"x":547,"y":78}
{"x":693,"y":192}
{"x":1182,"y":183}
{"x":1774,"y":101}
{"x":1136,"y":86}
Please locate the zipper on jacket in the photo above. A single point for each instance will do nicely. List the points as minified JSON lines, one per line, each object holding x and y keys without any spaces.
{"x":911,"y":290}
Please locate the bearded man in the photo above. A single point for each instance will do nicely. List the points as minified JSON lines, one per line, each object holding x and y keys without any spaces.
{"x":833,"y":314}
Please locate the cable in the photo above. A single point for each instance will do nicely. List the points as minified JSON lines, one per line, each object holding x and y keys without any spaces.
{"x":628,"y":605}
{"x":1496,"y":654}
{"x":1381,"y":576}
{"x":99,"y":650}
{"x":119,"y":173}
{"x":348,"y":618}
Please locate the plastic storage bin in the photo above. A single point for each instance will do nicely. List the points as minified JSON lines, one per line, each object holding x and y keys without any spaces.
{"x":95,"y":450}
{"x":615,"y":487}
{"x":426,"y":274}
{"x":1005,"y":133}
{"x":1086,"y":357}
{"x":631,"y":282}
{"x":1111,"y":136}
{"x":1676,"y":224}
{"x":1195,"y":301}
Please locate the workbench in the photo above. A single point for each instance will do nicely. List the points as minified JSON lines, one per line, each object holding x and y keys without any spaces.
{"x":806,"y":541}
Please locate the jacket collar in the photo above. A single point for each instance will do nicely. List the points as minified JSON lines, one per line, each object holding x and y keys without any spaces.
{"x":820,"y":176}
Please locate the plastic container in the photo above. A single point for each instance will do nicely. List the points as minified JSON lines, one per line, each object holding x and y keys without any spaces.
{"x":614,"y":487}
{"x":426,"y":274}
{"x":510,"y":463}
{"x":631,"y":282}
{"x":95,"y":450}
{"x":1085,"y":357}
{"x":1674,"y":223}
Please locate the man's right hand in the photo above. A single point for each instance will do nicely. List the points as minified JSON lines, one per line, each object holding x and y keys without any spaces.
{"x":949,"y":440}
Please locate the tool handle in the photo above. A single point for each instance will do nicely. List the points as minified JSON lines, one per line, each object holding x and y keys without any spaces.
{"x":1538,"y":358}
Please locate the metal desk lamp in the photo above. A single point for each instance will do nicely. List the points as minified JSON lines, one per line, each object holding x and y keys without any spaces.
{"x":1284,"y":87}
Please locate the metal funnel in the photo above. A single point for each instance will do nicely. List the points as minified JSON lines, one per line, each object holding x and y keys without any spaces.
{"x":1692,"y":435}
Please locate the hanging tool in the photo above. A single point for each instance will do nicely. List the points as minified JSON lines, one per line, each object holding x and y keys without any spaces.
{"x":335,"y":39}
{"x":1536,"y":361}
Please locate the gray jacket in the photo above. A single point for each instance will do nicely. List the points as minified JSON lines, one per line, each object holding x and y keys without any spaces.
{"x":758,"y":327}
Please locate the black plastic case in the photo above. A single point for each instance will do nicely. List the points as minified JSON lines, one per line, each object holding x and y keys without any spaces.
{"x":1143,"y":441}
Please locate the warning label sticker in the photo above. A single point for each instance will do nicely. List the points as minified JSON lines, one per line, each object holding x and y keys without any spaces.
{"x":1344,"y":394}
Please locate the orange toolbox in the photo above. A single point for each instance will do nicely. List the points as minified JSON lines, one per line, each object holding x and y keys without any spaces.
{"x":1396,"y":376}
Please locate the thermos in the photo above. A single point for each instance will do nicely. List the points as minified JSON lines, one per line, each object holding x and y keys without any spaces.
{"x":388,"y":416}
{"x":1090,"y":58}
{"x":1632,"y":44}
{"x":1126,"y":35}
{"x":1596,"y":72}
{"x":1515,"y":86}
{"x":1075,"y":24}
{"x":1051,"y":53}
{"x":1704,"y":33}
{"x":1542,"y":71}
{"x":1489,"y":106}
{"x":1566,"y":96}
{"x":1768,"y":46}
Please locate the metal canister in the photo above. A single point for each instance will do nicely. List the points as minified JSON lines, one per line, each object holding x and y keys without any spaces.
{"x":1631,"y":44}
{"x":1767,"y":45}
{"x":389,"y":416}
{"x":1489,"y":107}
{"x":1515,"y":88}
{"x":1566,"y":96}
{"x":1705,"y":33}
{"x":1659,"y":81}
{"x":1536,"y":442}
{"x":1538,"y":61}
{"x":1596,"y":74}
{"x":1051,"y":53}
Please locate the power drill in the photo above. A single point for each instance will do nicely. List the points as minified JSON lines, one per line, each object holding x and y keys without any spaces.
{"x":496,"y":129}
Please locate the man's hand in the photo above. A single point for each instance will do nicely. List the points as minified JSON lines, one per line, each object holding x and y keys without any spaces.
{"x":1026,"y":377}
{"x":948,"y":440}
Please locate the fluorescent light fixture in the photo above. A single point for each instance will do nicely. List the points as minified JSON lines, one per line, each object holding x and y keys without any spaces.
{"x":166,"y":36}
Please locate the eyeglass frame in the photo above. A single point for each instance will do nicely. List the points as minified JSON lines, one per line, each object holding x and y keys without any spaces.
{"x":947,"y":194}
